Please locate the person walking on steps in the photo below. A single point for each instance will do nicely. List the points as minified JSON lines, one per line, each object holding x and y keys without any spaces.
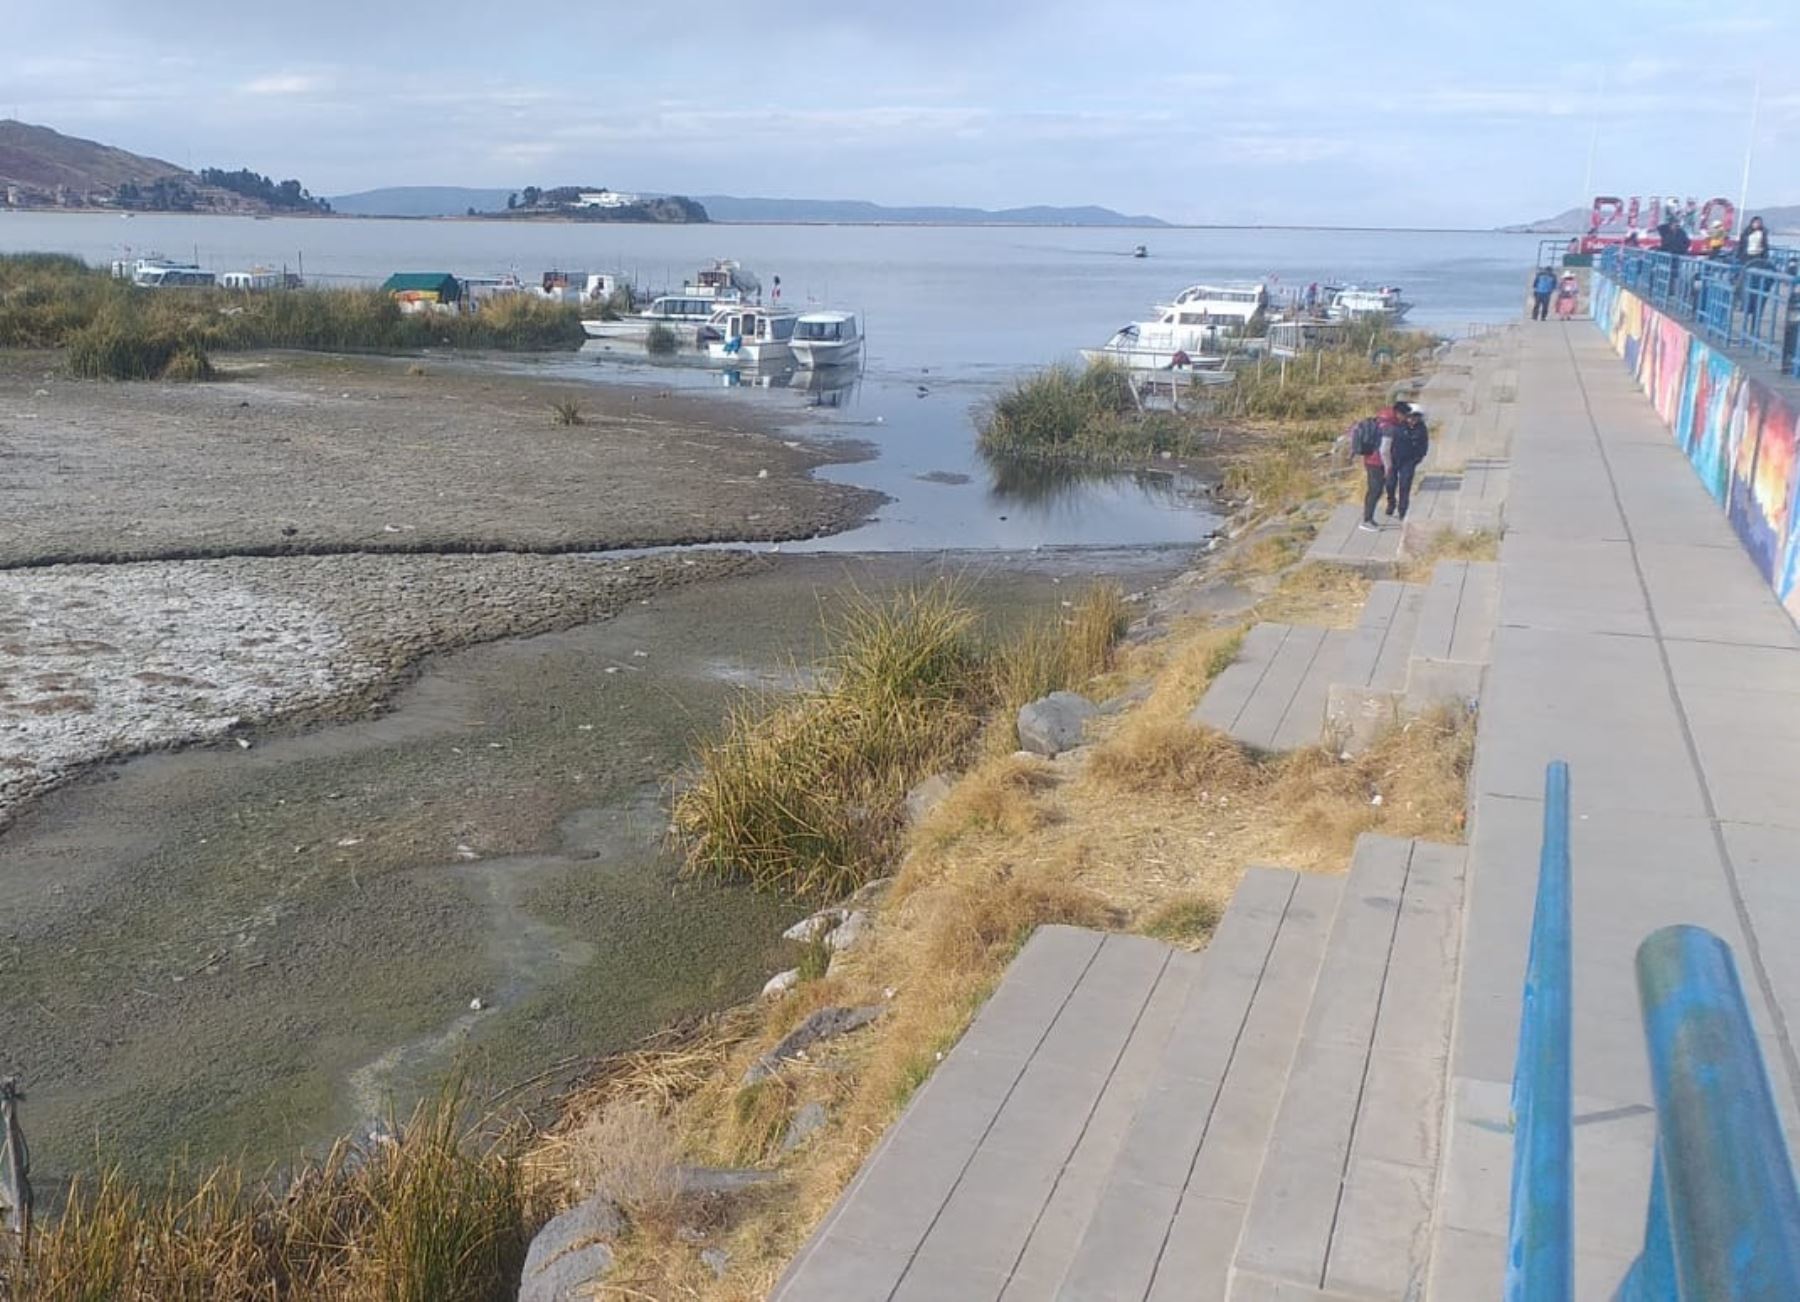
{"x":1542,"y":286}
{"x":1372,"y":440}
{"x":1411,"y":442}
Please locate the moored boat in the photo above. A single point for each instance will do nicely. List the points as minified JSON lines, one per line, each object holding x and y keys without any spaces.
{"x":1353,"y":303}
{"x":750,"y":335}
{"x":826,"y":338}
{"x":1192,"y":333}
{"x":674,"y":311}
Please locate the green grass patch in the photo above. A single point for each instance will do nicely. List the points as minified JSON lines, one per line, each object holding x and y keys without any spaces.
{"x":1184,"y":920}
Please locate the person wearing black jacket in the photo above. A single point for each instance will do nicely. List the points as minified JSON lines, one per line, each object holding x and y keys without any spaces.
{"x":1411,"y":442}
{"x":1671,"y":238}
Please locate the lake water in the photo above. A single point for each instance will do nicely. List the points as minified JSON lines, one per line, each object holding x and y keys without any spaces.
{"x":952,"y":314}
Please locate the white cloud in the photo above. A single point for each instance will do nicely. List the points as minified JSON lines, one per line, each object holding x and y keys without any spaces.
{"x":283,"y":83}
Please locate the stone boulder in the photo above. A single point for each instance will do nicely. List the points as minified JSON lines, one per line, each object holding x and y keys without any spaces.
{"x":781,"y":983}
{"x":925,"y":797}
{"x":1055,"y":723}
{"x":849,"y":933}
{"x":806,"y":1122}
{"x":571,"y":1252}
{"x":811,"y":928}
{"x":822,"y":1025}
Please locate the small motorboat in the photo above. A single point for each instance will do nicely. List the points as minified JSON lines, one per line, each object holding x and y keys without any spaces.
{"x":1141,"y":251}
{"x":828,"y":338}
{"x":749,"y":335}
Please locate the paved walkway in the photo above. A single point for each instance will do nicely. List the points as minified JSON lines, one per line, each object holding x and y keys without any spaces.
{"x":1638,"y":642}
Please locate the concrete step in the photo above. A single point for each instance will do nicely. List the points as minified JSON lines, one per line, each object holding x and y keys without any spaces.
{"x":1455,"y":635}
{"x":1371,"y":676}
{"x":1343,"y":1199}
{"x":1162,"y":1223}
{"x":1340,"y":542}
{"x":1480,"y":505}
{"x":1273,"y":696}
{"x":1433,"y":511}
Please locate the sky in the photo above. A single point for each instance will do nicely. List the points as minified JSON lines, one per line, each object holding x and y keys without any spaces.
{"x":1440,"y":114}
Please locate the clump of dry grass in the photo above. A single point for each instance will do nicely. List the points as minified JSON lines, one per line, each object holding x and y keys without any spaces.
{"x":1184,"y":920}
{"x":630,"y":1152}
{"x":1277,"y":473}
{"x":1171,"y":755}
{"x":1329,"y":595}
{"x":806,"y":794}
{"x":999,"y":797}
{"x":429,"y":1213}
{"x":1449,"y":545}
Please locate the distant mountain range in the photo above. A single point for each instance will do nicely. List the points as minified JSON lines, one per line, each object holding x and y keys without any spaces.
{"x":1784,"y":220}
{"x":455,"y":201}
{"x":42,"y":168}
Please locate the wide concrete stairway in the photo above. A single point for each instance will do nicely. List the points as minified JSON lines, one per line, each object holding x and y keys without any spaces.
{"x":1414,"y":647}
{"x":1471,"y":403}
{"x":1127,"y":1121}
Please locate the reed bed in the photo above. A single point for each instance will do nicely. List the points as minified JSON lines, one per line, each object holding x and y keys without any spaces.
{"x":111,"y":329}
{"x":428,"y":1213}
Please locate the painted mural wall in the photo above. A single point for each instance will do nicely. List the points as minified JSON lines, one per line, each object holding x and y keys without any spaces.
{"x":1738,"y":432}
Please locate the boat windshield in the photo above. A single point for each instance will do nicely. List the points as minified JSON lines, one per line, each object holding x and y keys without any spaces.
{"x":820,"y":331}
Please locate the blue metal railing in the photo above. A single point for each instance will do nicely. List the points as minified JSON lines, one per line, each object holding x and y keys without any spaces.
{"x":1752,"y":306}
{"x":1540,"y":1256}
{"x":1723,"y":1221}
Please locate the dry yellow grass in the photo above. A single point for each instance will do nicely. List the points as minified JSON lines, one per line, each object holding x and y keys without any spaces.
{"x":1448,"y":545}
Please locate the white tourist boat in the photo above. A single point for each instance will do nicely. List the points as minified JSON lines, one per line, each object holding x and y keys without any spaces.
{"x":675,"y":311}
{"x":826,"y":339}
{"x":1192,"y":333}
{"x":750,"y":335}
{"x":723,"y":282}
{"x":1353,"y":303}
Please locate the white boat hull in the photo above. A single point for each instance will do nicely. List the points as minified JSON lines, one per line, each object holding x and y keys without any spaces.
{"x":750,"y":352}
{"x":627,"y":328}
{"x":1145,"y":358}
{"x":818,"y":353}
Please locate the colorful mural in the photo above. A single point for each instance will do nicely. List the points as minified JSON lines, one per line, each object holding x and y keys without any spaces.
{"x":1742,"y":435}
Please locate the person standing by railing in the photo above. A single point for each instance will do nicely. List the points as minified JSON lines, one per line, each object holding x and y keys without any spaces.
{"x":1542,"y":286}
{"x":1753,"y":252}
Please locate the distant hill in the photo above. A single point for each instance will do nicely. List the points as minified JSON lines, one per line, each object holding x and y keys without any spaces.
{"x":729,"y":208}
{"x":38,"y":158}
{"x":1784,"y":219}
{"x":42,"y":168}
{"x":419,"y":201}
{"x":454,"y":201}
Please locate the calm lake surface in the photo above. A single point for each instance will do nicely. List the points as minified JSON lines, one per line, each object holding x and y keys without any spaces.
{"x":953,"y":314}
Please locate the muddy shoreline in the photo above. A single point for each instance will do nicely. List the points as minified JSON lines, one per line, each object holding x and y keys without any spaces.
{"x":315,"y":454}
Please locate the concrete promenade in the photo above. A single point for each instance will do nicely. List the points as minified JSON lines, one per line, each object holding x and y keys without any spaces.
{"x":1638,"y":642}
{"x":1316,"y":1107}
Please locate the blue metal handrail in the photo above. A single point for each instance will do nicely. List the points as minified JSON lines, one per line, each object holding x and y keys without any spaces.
{"x":1724,"y":1218}
{"x":1723,"y":1221}
{"x":1541,"y":1228}
{"x":1753,"y":306}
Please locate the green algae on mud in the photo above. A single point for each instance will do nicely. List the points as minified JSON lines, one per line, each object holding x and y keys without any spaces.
{"x":251,"y":935}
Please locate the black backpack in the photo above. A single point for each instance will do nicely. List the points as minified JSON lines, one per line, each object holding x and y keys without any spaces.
{"x":1365,"y":436}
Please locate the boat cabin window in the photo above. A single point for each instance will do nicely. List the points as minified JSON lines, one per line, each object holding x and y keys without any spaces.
{"x":820,"y":330}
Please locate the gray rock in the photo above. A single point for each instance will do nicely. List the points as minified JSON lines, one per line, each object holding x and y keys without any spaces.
{"x":872,"y":893}
{"x":822,"y":1025}
{"x":806,"y":1123}
{"x":1054,"y":723}
{"x":570,"y":1252}
{"x":1136,"y":694}
{"x":808,"y":928}
{"x":849,"y":933}
{"x":925,"y":797}
{"x":704,"y":1180}
{"x":716,"y":1260}
{"x":781,"y":983}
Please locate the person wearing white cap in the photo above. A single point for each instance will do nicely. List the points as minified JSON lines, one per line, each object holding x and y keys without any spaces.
{"x":1411,"y":442}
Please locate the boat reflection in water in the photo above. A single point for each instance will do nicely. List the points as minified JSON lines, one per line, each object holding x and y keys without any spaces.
{"x":826,"y":386}
{"x":1047,"y":487}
